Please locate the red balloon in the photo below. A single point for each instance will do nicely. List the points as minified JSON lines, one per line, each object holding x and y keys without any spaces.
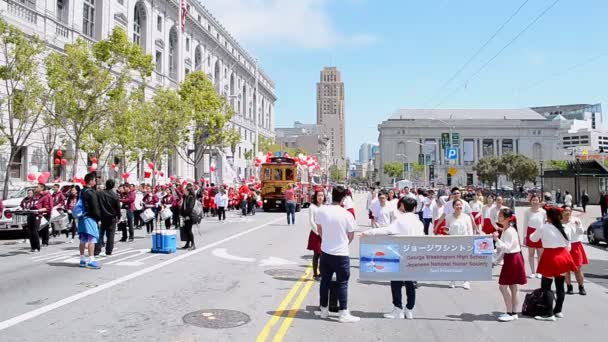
{"x":113,"y":165}
{"x":147,"y":174}
{"x":64,"y":162}
{"x":162,"y":174}
{"x":155,"y":173}
{"x":171,"y":178}
{"x":31,"y":177}
{"x":92,"y":168}
{"x":57,"y":161}
{"x":60,"y":153}
{"x":212,"y":169}
{"x":46,"y":174}
{"x":93,"y":160}
{"x":151,"y":165}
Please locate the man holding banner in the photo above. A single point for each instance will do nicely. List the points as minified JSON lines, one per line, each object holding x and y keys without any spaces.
{"x":407,"y":224}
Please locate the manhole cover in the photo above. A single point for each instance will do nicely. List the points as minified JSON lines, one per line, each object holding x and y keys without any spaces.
{"x":284,"y":273}
{"x":217,"y":318}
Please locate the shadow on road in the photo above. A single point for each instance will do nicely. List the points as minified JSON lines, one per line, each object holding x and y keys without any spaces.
{"x":63,"y":264}
{"x":9,"y":254}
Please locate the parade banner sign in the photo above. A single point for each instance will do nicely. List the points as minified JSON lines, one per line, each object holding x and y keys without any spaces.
{"x":394,"y":257}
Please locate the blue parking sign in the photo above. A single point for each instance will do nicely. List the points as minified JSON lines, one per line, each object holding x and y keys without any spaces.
{"x":451,"y":153}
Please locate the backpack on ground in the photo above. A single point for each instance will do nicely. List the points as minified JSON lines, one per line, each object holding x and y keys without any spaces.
{"x":534,"y":303}
{"x":197,"y":212}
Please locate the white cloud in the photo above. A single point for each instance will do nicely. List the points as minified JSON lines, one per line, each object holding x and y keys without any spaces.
{"x":301,"y":23}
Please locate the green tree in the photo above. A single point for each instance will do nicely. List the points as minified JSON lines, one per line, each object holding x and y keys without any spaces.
{"x":337,"y":174}
{"x":488,"y":169}
{"x":265,"y":143}
{"x":87,"y":81}
{"x":394,"y":169}
{"x":23,"y":95}
{"x":209,"y":112}
{"x":232,"y":138}
{"x":518,"y":168}
{"x":125,"y":116}
{"x":164,"y":128}
{"x":557,"y":164}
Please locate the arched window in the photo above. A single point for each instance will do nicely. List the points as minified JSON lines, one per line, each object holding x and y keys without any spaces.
{"x":256,"y":110}
{"x":217,"y":76}
{"x":232,"y":90}
{"x":244,"y":99}
{"x":173,"y":54}
{"x":401,"y":149}
{"x":537,"y":151}
{"x":261,"y":121}
{"x":62,"y":10}
{"x":139,"y":25}
{"x":198,"y":58}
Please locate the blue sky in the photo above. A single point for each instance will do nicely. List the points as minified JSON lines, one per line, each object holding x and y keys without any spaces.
{"x":398,"y":54}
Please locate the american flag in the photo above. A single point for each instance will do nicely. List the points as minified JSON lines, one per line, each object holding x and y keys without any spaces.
{"x":184,"y":14}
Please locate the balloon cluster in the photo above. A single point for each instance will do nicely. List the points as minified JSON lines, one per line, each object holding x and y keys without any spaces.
{"x":308,"y":162}
{"x":39,"y":177}
{"x":59,"y":160}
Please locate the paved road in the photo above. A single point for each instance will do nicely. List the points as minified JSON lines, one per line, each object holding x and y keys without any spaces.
{"x":258,"y":267}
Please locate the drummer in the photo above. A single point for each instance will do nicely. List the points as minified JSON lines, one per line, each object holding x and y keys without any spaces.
{"x":59,"y":206}
{"x":32,"y":227}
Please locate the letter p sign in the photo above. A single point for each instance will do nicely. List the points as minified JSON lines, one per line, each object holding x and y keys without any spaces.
{"x":451,"y":153}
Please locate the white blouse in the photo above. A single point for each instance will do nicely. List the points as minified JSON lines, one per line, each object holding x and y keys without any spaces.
{"x":312,"y":212}
{"x":509,"y":241}
{"x":575,"y":230}
{"x":534,"y":219}
{"x":383,"y":215}
{"x":461,"y":225}
{"x":551,"y":237}
{"x":476,"y":206}
{"x":485,"y":211}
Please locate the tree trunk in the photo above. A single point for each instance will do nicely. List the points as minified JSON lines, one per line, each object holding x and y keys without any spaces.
{"x":7,"y":174}
{"x":75,"y":161}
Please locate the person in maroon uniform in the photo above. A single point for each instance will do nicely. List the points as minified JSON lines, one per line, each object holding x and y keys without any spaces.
{"x":44,"y":205}
{"x":31,"y":227}
{"x":177,"y":203}
{"x":167,"y":202}
{"x":69,"y":206}
{"x":127,"y":199}
{"x":59,"y":205}
{"x":150,"y":200}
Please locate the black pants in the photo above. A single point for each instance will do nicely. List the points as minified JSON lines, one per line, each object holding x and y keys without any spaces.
{"x":150,"y":226}
{"x":175,"y":217}
{"x":107,"y":228}
{"x":189,"y":232}
{"x":71,"y":227}
{"x":340,"y":265}
{"x":603,"y":210}
{"x":315,"y":263}
{"x":221,"y":213}
{"x":137,"y":218}
{"x":427,"y":223}
{"x":545,"y":284}
{"x":244,"y":208}
{"x":33,"y":222}
{"x":123,"y":227}
{"x":44,"y":232}
{"x":584,"y":207}
{"x":419,"y":215}
{"x":410,"y":292}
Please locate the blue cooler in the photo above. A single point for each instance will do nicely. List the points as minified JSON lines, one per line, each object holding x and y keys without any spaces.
{"x":164,"y":241}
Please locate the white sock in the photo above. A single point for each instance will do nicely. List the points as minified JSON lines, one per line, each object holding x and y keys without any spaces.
{"x":82,"y":257}
{"x":91,"y":258}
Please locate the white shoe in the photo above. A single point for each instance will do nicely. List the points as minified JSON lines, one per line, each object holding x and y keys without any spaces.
{"x":505,"y":318}
{"x":324,"y":313}
{"x":539,"y":276}
{"x":466,"y":285}
{"x":559,"y":315}
{"x":396,"y":313}
{"x":346,"y":317}
{"x":545,"y":318}
{"x":409,"y":314}
{"x":71,"y":241}
{"x":102,"y":254}
{"x":531,"y":276}
{"x":452,"y":284}
{"x":515,"y":317}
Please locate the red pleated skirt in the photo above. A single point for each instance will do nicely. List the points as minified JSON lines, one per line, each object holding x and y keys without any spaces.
{"x":441,"y":228}
{"x":529,"y":243}
{"x":488,"y":228}
{"x":314,"y":242}
{"x":513,"y":270}
{"x":555,"y":261}
{"x":477,"y":219}
{"x":578,"y":254}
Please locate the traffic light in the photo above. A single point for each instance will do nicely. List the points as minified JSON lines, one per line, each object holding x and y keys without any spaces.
{"x":601,"y":149}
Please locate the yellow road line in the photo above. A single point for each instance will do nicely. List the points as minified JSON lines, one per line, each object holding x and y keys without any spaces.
{"x":280,"y":310}
{"x":294,"y":310}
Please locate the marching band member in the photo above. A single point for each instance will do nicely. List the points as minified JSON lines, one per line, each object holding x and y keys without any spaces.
{"x":150,"y":200}
{"x":167,"y":202}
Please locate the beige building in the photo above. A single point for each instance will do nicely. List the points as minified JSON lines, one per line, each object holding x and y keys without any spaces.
{"x":330,"y":113}
{"x":308,"y":137}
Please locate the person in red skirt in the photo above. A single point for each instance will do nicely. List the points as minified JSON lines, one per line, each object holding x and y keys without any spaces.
{"x":554,"y":262}
{"x":513,"y":272}
{"x":576,"y":232}
{"x":534,"y":218}
{"x":314,"y":240}
{"x":487,"y":226}
{"x":476,"y":205}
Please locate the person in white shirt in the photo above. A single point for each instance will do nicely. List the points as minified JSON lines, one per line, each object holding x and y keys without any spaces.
{"x":513,"y":272}
{"x":372,"y":196}
{"x":568,"y":199}
{"x":336,"y":227}
{"x":419,"y":203}
{"x":487,"y":226}
{"x":428,"y":205}
{"x":407,"y":224}
{"x":221,"y":200}
{"x":382,"y":212}
{"x":439,"y":227}
{"x":576,"y":232}
{"x":459,"y":223}
{"x":392,"y":199}
{"x":314,"y":240}
{"x":534,"y":218}
{"x":498,"y":206}
{"x":476,"y":205}
{"x":466,"y":209}
{"x":554,"y":262}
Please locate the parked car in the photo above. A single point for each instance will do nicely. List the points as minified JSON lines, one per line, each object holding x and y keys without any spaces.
{"x":597,"y":231}
{"x":10,"y":226}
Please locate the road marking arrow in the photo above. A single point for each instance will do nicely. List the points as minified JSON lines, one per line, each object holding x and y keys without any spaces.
{"x":223,"y":253}
{"x":273,"y":261}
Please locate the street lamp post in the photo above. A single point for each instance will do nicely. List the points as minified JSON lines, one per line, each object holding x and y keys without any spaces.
{"x":542,"y":178}
{"x":404,"y":156}
{"x":424,"y":154}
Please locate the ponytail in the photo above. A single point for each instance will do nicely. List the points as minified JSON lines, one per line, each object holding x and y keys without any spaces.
{"x":555,"y":217}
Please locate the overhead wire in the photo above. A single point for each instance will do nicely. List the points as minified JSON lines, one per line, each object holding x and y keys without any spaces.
{"x":479,"y":50}
{"x":480,"y":69}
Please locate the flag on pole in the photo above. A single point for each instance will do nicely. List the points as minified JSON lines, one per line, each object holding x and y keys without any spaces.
{"x":184,"y":10}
